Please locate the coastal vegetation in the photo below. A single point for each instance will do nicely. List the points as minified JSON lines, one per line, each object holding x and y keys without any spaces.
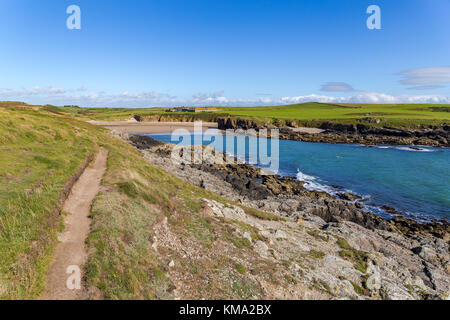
{"x":43,"y":151}
{"x":40,"y":155}
{"x":306,"y":114}
{"x":156,"y":235}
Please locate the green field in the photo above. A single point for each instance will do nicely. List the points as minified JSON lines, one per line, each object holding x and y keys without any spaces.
{"x":39,"y":154}
{"x":307,"y":114}
{"x":419,"y":113}
{"x":41,"y":150}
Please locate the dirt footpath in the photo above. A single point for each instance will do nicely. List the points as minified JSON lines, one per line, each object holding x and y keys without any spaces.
{"x":70,"y":255}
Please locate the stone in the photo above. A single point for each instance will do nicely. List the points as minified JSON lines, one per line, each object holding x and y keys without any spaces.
{"x":427,"y":253}
{"x":261,"y":248}
{"x":280,"y":234}
{"x":391,"y":291}
{"x":270,"y":205}
{"x":265,"y":233}
{"x":373,"y":282}
{"x":247,"y":236}
{"x":289,"y":205}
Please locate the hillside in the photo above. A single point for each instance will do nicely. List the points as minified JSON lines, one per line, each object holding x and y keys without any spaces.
{"x":157,"y":236}
{"x":42,"y":153}
{"x":306,"y":114}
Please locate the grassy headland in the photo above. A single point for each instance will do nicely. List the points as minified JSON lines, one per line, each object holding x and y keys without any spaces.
{"x":41,"y":152}
{"x":156,"y":236}
{"x":398,"y":115}
{"x":305,"y":114}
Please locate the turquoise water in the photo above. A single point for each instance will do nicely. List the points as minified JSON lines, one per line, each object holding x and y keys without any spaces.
{"x":416,"y":182}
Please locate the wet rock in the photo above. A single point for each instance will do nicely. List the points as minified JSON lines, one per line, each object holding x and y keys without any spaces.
{"x":362,"y":133}
{"x":359,"y":205}
{"x":335,"y":211}
{"x":144,"y":142}
{"x":411,"y":228}
{"x":348,"y":196}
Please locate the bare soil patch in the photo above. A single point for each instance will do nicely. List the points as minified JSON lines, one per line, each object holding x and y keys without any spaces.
{"x":71,"y":250}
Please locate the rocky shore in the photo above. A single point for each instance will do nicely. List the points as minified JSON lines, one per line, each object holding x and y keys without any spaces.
{"x":348,"y":252}
{"x":369,"y":131}
{"x":438,"y":136}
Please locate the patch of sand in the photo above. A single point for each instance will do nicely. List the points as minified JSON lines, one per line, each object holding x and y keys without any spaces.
{"x":151,"y":127}
{"x":307,"y":130}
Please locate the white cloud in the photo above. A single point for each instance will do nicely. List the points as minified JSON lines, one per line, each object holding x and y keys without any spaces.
{"x":144,"y":95}
{"x":85,"y":98}
{"x":337,"y":87}
{"x":430,"y":87}
{"x":423,"y":76}
{"x":34,"y":91}
{"x":370,"y":97}
{"x":209,"y":97}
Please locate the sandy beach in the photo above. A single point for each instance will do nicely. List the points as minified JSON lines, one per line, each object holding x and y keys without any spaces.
{"x":151,"y":127}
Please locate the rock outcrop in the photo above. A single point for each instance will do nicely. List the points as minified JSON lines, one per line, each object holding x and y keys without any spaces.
{"x":331,"y":247}
{"x":438,"y":135}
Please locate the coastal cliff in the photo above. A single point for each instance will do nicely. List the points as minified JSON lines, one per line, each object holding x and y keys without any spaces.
{"x":367,"y":131}
{"x":330,"y":245}
{"x":357,"y":133}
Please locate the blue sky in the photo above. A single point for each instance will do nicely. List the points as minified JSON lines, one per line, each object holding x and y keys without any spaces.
{"x":224,"y":52}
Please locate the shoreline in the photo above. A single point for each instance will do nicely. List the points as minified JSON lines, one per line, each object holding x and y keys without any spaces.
{"x":151,"y":127}
{"x":326,"y":133}
{"x":142,"y":128}
{"x":381,"y":210}
{"x":391,"y":260}
{"x":255,"y":185}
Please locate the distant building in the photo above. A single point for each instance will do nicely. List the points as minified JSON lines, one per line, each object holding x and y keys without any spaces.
{"x":181,"y":109}
{"x":192,"y":109}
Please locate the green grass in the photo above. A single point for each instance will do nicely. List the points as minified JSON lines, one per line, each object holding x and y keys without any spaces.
{"x":39,"y":153}
{"x":322,"y":286}
{"x":318,"y":235}
{"x":359,"y":258}
{"x":241,"y":269}
{"x":262,"y":215}
{"x":306,"y":114}
{"x":311,"y":114}
{"x":358,"y":289}
{"x":123,"y":264}
{"x":316,"y":254}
